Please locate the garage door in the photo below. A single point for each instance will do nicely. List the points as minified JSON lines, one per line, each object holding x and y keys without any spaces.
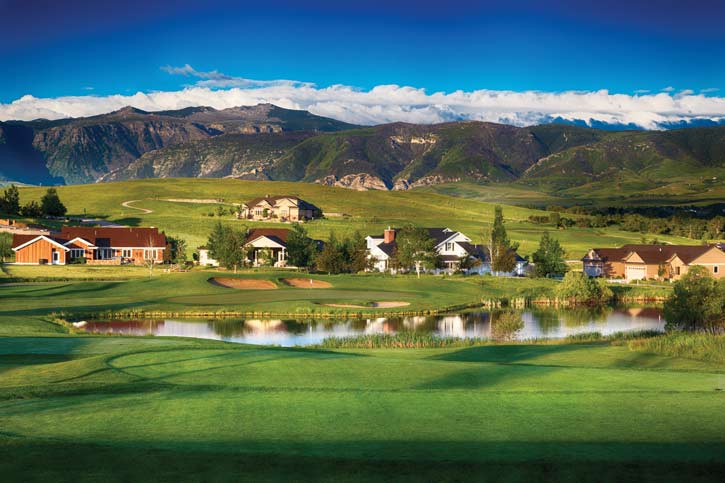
{"x":636,"y":272}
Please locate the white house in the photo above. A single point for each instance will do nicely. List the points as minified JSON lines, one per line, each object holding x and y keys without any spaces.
{"x":451,"y":246}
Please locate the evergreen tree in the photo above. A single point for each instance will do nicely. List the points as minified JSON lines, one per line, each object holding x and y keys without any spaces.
{"x":31,"y":210}
{"x":6,"y":244}
{"x":301,"y":249}
{"x":356,"y":253}
{"x":10,"y":201}
{"x":51,"y":205}
{"x":549,"y":258}
{"x":501,"y":251}
{"x":331,"y":258}
{"x":226,"y":245}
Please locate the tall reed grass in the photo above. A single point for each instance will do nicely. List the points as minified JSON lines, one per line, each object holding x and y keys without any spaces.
{"x":700,"y":346}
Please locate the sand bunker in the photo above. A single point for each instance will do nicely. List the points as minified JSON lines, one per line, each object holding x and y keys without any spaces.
{"x":374,"y":305}
{"x":306,"y":283}
{"x":243,"y":283}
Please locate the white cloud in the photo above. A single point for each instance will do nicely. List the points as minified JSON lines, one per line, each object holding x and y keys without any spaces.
{"x":641,"y":91}
{"x":668,"y":89}
{"x":389,"y":103}
{"x":216,"y":79}
{"x":709,"y":90}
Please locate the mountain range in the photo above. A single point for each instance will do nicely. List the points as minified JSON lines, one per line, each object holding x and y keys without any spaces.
{"x":267,"y":142}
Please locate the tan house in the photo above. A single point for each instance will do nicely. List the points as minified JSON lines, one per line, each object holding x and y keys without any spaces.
{"x":281,"y":208}
{"x":653,"y":262}
{"x":99,"y":246}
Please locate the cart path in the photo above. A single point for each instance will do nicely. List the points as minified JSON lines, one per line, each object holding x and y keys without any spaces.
{"x":127,"y":204}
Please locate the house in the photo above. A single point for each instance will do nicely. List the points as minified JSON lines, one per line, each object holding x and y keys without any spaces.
{"x":267,"y":246}
{"x":605,"y":262}
{"x":282,"y":208}
{"x":451,"y":246}
{"x":99,"y":246}
{"x":653,"y":262}
{"x":205,"y":259}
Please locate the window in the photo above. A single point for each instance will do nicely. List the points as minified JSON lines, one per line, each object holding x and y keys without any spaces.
{"x":76,"y":252}
{"x":149,"y":254}
{"x":126,"y":253}
{"x":714,"y":268}
{"x":677,"y":270}
{"x":449,"y":246}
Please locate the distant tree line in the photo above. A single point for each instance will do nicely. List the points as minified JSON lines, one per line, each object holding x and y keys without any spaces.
{"x":694,"y":228}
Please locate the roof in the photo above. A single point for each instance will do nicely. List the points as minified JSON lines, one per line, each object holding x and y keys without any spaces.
{"x":653,"y":254}
{"x":609,"y":254}
{"x":440,"y":234}
{"x":115,"y":237}
{"x":104,"y":237}
{"x":388,"y":248}
{"x":302,"y":204}
{"x":277,"y":234}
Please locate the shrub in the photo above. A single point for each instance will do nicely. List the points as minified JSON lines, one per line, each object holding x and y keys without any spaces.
{"x":697,"y":303}
{"x":578,"y":288}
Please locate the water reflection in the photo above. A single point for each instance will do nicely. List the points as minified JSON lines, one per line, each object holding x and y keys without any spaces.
{"x":538,"y":323}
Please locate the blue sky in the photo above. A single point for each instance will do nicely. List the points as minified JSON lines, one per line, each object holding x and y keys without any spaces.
{"x":87,"y":48}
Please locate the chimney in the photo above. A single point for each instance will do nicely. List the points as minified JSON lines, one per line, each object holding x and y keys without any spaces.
{"x":389,"y":235}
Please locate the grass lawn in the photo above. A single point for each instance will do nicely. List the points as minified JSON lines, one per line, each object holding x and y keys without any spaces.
{"x":73,"y":272}
{"x":369,"y":212}
{"x":135,"y":409}
{"x":192,"y":292}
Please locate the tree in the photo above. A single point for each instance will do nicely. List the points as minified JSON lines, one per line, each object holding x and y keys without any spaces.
{"x":331,"y":258}
{"x":149,"y":259}
{"x":226,"y":245}
{"x":10,"y":201}
{"x":502,"y":252}
{"x":6,"y":246}
{"x":177,"y":250}
{"x":697,"y":302}
{"x":51,"y":205}
{"x":356,"y":253}
{"x":31,"y":210}
{"x":301,"y":249}
{"x":555,"y":219}
{"x":415,"y":248}
{"x":549,"y":258}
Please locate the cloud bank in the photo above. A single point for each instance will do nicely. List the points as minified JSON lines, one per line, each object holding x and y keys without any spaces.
{"x":391,"y":103}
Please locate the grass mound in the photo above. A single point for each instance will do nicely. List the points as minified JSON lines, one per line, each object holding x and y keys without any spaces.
{"x":306,"y":283}
{"x":243,"y":283}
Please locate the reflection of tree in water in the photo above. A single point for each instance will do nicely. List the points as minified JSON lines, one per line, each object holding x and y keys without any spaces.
{"x":506,"y":324}
{"x":576,"y":317}
{"x":547,"y":319}
{"x":550,"y":320}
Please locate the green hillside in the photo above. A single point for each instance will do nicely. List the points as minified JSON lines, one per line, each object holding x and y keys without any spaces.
{"x":367,"y":211}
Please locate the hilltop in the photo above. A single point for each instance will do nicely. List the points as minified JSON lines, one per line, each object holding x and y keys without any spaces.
{"x":266,"y":142}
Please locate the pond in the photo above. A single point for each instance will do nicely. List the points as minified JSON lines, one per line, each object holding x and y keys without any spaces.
{"x":538,"y":323}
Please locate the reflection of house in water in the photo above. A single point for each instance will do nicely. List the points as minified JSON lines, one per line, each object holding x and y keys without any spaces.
{"x":415,"y":322}
{"x":381,"y":325}
{"x":264,"y":326}
{"x":649,"y":312}
{"x":130,"y":327}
